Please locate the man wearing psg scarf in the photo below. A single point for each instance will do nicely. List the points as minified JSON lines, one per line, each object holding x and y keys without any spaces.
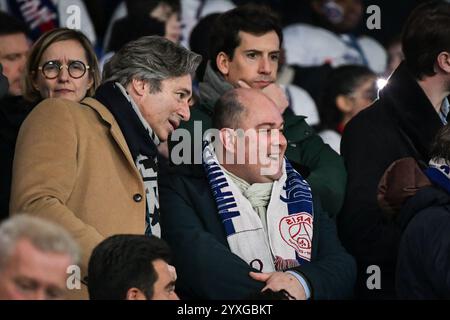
{"x":244,"y":220}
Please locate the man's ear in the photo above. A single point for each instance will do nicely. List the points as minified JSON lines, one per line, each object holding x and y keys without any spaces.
{"x":223,"y":63}
{"x":139,"y":87}
{"x":343,"y":103}
{"x":228,"y":139}
{"x":135,"y":294}
{"x":443,"y":61}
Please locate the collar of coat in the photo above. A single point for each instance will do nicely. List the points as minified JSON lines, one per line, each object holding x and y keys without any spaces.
{"x":409,"y":106}
{"x":140,"y":139}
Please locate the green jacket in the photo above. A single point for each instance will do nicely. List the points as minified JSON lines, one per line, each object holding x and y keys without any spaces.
{"x":322,"y":167}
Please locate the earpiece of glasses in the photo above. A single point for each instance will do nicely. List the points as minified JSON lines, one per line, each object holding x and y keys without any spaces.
{"x":51,"y":69}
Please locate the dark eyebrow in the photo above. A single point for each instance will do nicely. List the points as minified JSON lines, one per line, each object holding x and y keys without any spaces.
{"x":170,"y":284}
{"x":187,"y":91}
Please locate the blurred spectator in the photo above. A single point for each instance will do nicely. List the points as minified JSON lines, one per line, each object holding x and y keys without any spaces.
{"x":331,"y":38}
{"x":244,"y":51}
{"x":348,"y":90}
{"x":142,"y":18}
{"x":402,"y":123}
{"x":136,"y":18}
{"x":423,"y":267}
{"x":34,"y":258}
{"x":199,"y":42}
{"x":14,"y":48}
{"x":94,"y":164}
{"x":44,"y":15}
{"x":395,"y":55}
{"x":131,"y":267}
{"x":192,"y":11}
{"x":300,"y":101}
{"x":4,"y":86}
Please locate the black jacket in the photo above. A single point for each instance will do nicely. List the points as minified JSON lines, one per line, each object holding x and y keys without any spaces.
{"x":402,"y":123}
{"x":206,"y":267}
{"x":423,"y":266}
{"x":13,"y":111}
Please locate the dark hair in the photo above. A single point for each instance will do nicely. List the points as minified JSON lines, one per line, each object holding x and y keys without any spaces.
{"x":425,"y":35}
{"x":227,"y":111}
{"x":11,"y":25}
{"x":144,"y":7}
{"x":440,"y":147}
{"x":199,"y":41}
{"x":224,"y":36}
{"x":121,"y":262}
{"x":343,"y":80}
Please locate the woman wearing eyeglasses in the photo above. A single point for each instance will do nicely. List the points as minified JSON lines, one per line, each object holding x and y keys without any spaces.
{"x":61,"y":64}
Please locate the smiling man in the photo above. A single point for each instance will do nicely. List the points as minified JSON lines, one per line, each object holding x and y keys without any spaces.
{"x":237,"y":227}
{"x":94,"y":163}
{"x":244,"y":52}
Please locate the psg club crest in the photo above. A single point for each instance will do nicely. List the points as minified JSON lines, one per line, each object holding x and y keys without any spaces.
{"x":296,"y":230}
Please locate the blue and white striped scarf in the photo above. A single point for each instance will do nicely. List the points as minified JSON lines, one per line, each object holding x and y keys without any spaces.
{"x":290,"y":215}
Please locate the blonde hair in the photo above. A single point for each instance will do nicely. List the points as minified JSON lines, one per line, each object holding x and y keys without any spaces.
{"x":44,"y":235}
{"x":30,"y":93}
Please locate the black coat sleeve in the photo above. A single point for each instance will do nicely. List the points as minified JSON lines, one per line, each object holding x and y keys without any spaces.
{"x":364,"y":229}
{"x":423,"y":267}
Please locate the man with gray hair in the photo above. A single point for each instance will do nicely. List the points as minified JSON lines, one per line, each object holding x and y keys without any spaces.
{"x":34,"y":259}
{"x":93,"y":166}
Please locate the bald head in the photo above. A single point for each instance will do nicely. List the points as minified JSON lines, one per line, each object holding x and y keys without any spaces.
{"x":236,"y":104}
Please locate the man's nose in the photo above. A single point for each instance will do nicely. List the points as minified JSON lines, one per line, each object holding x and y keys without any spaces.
{"x":283,"y":140}
{"x":265,"y":67}
{"x":184,"y":111}
{"x":38,"y":295}
{"x":23,"y":62}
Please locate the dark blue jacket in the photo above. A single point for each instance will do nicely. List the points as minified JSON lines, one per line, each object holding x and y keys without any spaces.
{"x":423,"y":266}
{"x":206,"y":267}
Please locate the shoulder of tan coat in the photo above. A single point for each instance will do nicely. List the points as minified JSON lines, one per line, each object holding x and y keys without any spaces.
{"x":100,"y":109}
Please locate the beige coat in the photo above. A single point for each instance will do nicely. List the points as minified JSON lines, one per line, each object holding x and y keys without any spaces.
{"x":72,"y":165}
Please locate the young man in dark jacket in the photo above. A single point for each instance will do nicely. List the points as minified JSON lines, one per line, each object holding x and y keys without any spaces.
{"x":244,"y":50}
{"x":402,"y":123}
{"x":238,"y":227}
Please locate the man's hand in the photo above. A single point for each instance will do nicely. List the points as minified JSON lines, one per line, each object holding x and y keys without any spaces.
{"x":277,"y":281}
{"x":272,"y":91}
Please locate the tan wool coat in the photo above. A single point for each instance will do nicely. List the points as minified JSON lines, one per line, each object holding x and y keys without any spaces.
{"x":72,"y":166}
